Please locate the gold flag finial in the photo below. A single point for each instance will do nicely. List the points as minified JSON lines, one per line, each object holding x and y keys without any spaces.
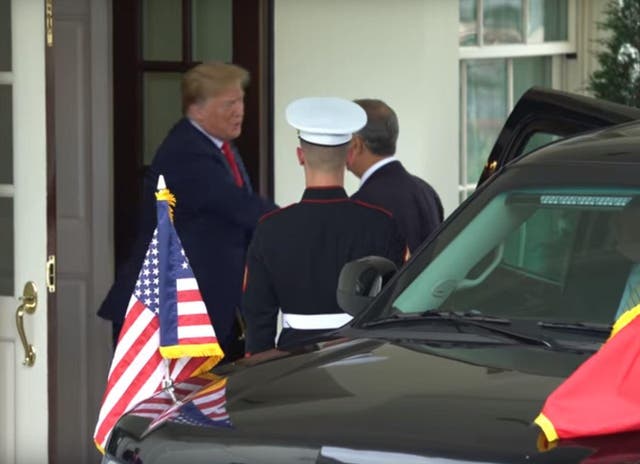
{"x":163,"y":194}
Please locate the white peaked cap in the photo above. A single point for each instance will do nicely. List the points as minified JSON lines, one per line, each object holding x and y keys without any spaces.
{"x":325,"y":120}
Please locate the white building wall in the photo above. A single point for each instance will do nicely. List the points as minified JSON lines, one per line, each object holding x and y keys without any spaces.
{"x":589,"y":14}
{"x":404,"y":52}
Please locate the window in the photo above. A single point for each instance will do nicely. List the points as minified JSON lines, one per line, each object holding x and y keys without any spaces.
{"x":168,"y":50}
{"x":506,"y":46}
{"x":553,"y":254}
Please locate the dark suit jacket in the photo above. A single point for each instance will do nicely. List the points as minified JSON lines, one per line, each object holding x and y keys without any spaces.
{"x":214,"y":219}
{"x":413,"y":202}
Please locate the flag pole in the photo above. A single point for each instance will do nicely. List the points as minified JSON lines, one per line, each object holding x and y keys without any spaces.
{"x":167,"y":381}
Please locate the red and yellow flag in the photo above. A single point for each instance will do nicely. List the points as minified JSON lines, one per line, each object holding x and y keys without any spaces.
{"x":603,"y":395}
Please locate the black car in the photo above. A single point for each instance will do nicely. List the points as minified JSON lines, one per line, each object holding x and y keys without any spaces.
{"x":454,"y":358}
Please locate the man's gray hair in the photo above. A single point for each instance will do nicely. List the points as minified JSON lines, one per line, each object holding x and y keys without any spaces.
{"x":380,"y":134}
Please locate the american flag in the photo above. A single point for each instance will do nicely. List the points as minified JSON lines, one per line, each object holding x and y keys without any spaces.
{"x":202,"y":407}
{"x":166,"y":333}
{"x":162,"y":401}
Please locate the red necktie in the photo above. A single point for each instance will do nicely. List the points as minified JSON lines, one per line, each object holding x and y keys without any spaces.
{"x":228,"y":153}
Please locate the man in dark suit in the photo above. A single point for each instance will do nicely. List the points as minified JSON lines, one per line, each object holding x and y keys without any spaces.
{"x":296,"y":254}
{"x":216,"y":209}
{"x":385,"y":182}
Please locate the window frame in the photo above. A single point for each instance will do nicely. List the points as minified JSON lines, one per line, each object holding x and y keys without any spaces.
{"x":556,"y":50}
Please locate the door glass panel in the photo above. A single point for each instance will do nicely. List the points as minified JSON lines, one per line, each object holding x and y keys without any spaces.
{"x":212,"y":27}
{"x":162,"y":109}
{"x":547,"y":21}
{"x":530,"y":71}
{"x":486,"y":111}
{"x":502,"y":21}
{"x":6,"y":136}
{"x":539,"y":139}
{"x":5,"y":35}
{"x":162,"y":30}
{"x":6,"y":246}
{"x":468,"y":33}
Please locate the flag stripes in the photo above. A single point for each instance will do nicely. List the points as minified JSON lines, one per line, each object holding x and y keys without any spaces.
{"x":185,"y":296}
{"x":166,"y":335}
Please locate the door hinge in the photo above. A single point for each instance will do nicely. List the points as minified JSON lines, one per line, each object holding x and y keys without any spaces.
{"x":49,"y":22}
{"x":51,"y":273}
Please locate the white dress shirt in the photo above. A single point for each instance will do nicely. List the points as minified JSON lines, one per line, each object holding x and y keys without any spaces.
{"x":215,"y":140}
{"x":373,"y":168}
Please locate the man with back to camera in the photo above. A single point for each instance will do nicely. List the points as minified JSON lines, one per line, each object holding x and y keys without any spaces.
{"x":296,"y":254}
{"x":216,"y":209}
{"x":385,"y":182}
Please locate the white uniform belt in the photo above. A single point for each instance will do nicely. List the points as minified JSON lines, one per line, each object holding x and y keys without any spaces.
{"x":314,"y":321}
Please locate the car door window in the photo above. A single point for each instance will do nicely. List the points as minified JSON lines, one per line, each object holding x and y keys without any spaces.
{"x":539,"y":139}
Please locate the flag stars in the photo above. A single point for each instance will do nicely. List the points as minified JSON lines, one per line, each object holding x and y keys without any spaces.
{"x":147,"y":288}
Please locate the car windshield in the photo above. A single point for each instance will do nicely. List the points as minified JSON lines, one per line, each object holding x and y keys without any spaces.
{"x":550,"y":256}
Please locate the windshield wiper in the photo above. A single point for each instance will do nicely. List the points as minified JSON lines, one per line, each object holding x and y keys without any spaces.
{"x":470,"y":315}
{"x":577,"y":326}
{"x":476,"y":319}
{"x":472,"y":318}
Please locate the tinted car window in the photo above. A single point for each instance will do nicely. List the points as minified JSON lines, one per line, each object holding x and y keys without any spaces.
{"x":536,"y":254}
{"x":539,"y":139}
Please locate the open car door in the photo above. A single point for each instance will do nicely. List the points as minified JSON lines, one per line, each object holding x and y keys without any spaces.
{"x":545,"y":115}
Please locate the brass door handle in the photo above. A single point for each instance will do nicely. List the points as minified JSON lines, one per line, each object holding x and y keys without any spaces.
{"x":29,"y":300}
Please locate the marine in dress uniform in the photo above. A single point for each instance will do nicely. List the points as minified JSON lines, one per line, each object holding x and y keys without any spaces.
{"x":296,"y":254}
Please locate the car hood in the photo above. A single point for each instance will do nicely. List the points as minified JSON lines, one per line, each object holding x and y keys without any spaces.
{"x":368,"y":400}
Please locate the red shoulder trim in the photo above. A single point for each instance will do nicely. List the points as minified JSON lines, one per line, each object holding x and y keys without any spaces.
{"x":273,"y":213}
{"x":369,"y":205}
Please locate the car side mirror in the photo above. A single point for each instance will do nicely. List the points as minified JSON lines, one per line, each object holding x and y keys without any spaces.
{"x":361,"y":280}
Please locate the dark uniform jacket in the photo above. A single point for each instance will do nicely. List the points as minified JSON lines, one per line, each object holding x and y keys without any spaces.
{"x":296,"y":255}
{"x":412,"y":201}
{"x":214,"y":219}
